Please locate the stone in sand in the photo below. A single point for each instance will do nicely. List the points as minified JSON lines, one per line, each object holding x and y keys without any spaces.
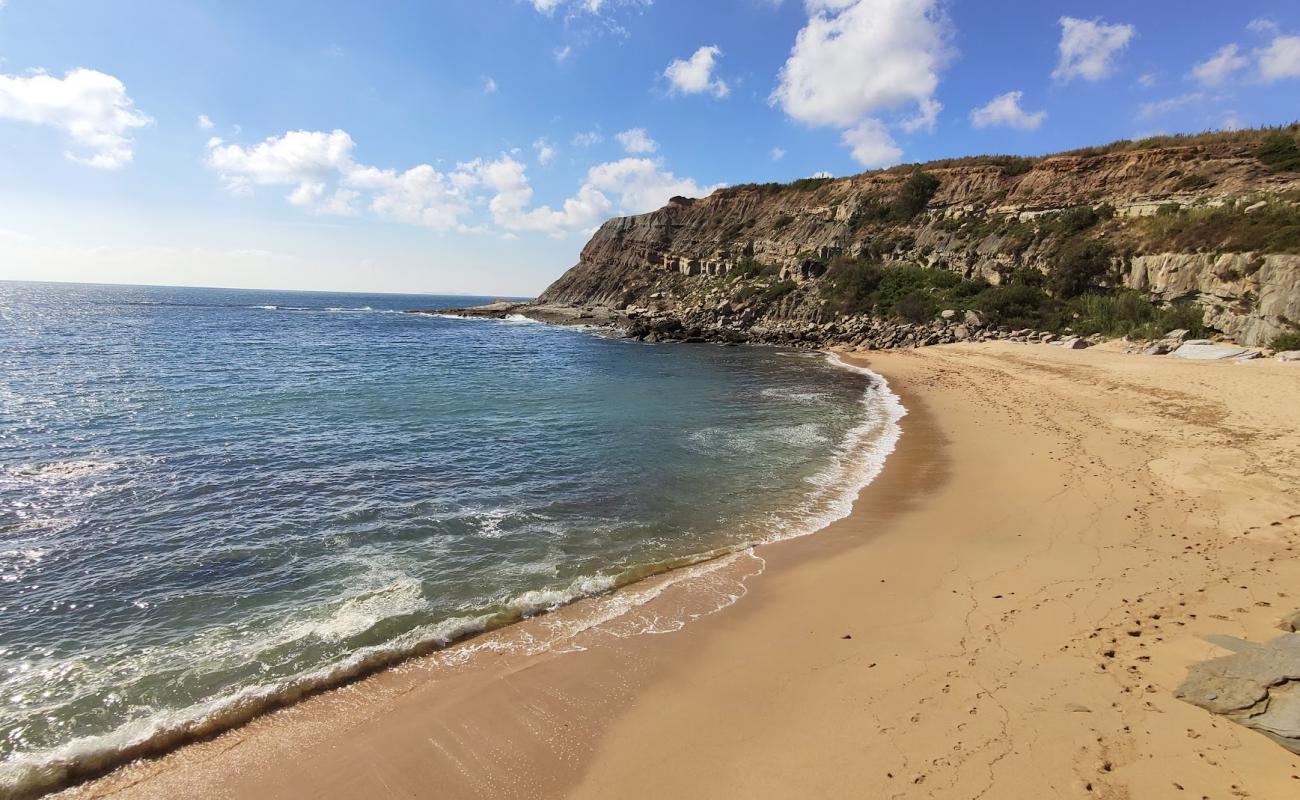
{"x":1258,"y":686}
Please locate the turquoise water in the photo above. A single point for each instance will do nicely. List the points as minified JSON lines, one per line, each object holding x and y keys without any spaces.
{"x":211,"y":500}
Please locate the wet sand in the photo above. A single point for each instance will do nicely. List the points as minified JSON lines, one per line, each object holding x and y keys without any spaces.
{"x":1005,"y":614}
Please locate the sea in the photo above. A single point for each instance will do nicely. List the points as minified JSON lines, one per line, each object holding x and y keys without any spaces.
{"x":214,"y":500}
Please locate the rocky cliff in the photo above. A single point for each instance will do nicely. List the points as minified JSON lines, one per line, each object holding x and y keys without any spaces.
{"x":1210,"y":220}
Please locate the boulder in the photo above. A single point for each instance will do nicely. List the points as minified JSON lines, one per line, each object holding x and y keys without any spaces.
{"x":1202,"y":350}
{"x":1156,"y":349}
{"x":1288,"y":355}
{"x":961,"y":333}
{"x":948,"y":313}
{"x":1257,"y":686}
{"x":975,"y":319}
{"x":1177,"y":335}
{"x":1074,"y":343}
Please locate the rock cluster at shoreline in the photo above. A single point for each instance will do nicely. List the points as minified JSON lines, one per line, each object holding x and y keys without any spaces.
{"x":726,"y":325}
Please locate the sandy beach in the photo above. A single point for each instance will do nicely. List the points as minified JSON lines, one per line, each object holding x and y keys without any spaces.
{"x":1006,"y":614}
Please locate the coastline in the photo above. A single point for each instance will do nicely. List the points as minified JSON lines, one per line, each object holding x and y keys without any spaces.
{"x":1031,"y":519}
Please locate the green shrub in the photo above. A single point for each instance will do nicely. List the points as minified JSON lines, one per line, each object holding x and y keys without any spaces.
{"x":778,"y":290}
{"x":1189,"y":182}
{"x":1069,"y":222}
{"x":1286,"y":341}
{"x":915,"y":195}
{"x":1127,"y":313}
{"x":1279,"y":152}
{"x":808,"y":184}
{"x":915,"y":307}
{"x":750,"y":267}
{"x":1018,"y":305}
{"x":851,"y":283}
{"x":1017,"y":166}
{"x":1275,"y":228}
{"x":1079,"y":266}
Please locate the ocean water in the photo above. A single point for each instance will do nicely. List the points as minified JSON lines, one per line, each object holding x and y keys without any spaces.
{"x":212,"y":500}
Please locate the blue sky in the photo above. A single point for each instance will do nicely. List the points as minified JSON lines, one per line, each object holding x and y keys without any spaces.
{"x":473,"y":146}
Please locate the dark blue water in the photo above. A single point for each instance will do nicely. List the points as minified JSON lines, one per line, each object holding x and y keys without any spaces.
{"x":211,"y":499}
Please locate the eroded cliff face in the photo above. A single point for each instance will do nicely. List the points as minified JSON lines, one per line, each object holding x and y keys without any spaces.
{"x":682,"y":256}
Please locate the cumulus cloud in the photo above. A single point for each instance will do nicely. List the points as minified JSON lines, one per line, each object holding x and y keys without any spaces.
{"x":871,"y":145}
{"x":91,"y":108}
{"x":1088,"y":48}
{"x":778,"y":153}
{"x":324,"y":178}
{"x":587,"y":139}
{"x":562,"y":53}
{"x":1219,"y":67}
{"x":204,"y":122}
{"x":298,"y":158}
{"x":857,"y":59}
{"x":1279,"y":59}
{"x":694,"y":75}
{"x":1005,"y":111}
{"x":636,"y":141}
{"x":489,"y":85}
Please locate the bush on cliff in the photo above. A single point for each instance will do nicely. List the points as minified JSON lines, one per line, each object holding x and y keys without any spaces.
{"x":1279,"y":152}
{"x":1127,"y":313}
{"x":1079,"y":266}
{"x":1285,"y":341}
{"x":915,"y":195}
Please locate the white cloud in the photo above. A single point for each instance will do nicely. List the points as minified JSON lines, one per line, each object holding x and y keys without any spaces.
{"x":91,"y":108}
{"x":1088,"y":48}
{"x":1159,"y":107}
{"x":637,"y":141}
{"x":855,"y":59}
{"x":204,"y":122}
{"x":871,"y":144}
{"x":694,"y":75}
{"x":489,"y":85}
{"x":562,"y":54}
{"x":546,"y":7}
{"x":587,"y":139}
{"x":642,"y":184}
{"x":545,"y":153}
{"x":1262,"y":25}
{"x":1005,"y":111}
{"x":1231,"y":121}
{"x":1146,"y":80}
{"x":925,"y":117}
{"x":777,"y":153}
{"x":1280,"y":59}
{"x":512,"y":195}
{"x":419,"y":196}
{"x":298,"y":158}
{"x":1220,"y":66}
{"x":311,"y":161}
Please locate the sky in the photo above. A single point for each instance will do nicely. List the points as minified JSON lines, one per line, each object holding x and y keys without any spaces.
{"x":473,"y":146}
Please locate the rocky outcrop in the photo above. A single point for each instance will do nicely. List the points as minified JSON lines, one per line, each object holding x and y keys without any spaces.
{"x":1258,"y":686}
{"x":683,"y":257}
{"x":1250,"y":297}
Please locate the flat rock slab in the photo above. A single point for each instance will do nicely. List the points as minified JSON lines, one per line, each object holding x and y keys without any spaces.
{"x":1208,"y":352}
{"x":1258,"y":686}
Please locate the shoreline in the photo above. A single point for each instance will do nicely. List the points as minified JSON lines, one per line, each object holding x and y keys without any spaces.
{"x":1057,"y":493}
{"x":91,"y":760}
